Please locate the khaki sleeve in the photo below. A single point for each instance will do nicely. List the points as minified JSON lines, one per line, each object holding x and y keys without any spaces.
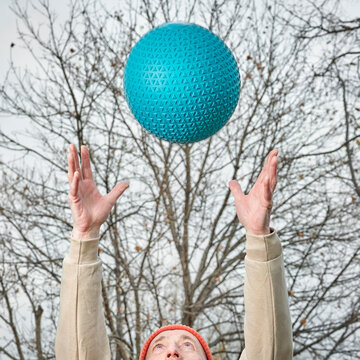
{"x":81,"y":332}
{"x":268,"y":331}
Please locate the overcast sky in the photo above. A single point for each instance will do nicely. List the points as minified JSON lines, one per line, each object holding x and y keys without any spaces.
{"x":22,"y":59}
{"x":8,"y":35}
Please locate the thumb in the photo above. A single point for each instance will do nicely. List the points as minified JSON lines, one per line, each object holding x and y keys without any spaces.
{"x":235,"y":189}
{"x":115,"y":193}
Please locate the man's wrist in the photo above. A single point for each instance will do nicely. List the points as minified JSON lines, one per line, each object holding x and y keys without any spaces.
{"x":263,"y":247}
{"x":85,"y":235}
{"x":260,"y":232}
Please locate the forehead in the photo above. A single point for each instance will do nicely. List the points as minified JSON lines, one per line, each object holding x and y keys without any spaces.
{"x":173,"y":335}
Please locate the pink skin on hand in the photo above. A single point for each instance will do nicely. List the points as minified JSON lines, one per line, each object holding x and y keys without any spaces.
{"x":254,"y":209}
{"x":89,"y":208}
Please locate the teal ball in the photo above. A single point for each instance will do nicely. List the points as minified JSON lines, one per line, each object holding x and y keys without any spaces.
{"x":181,"y":82}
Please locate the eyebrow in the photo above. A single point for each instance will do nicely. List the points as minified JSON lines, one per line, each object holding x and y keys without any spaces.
{"x":161,"y":338}
{"x":182,"y":337}
{"x":187,"y":337}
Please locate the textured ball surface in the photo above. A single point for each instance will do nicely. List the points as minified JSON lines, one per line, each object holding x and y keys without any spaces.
{"x":181,"y":82}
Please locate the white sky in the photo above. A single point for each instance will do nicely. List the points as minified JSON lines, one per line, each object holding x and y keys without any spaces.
{"x":8,"y":34}
{"x":22,"y":59}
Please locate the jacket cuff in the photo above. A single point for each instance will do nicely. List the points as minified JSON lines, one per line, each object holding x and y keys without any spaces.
{"x":83,"y":252}
{"x":263,"y":247}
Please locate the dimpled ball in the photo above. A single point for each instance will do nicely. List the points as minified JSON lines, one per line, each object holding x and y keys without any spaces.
{"x":181,"y":82}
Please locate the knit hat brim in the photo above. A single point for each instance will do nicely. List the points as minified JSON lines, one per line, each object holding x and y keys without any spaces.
{"x":203,"y":343}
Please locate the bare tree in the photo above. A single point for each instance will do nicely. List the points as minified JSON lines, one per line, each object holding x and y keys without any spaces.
{"x":334,"y":72}
{"x":174,"y":251}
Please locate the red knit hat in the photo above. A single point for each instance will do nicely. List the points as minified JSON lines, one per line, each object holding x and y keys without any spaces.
{"x":176,"y":327}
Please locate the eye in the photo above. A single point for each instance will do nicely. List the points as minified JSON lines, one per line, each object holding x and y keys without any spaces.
{"x":158,"y":347}
{"x":188,"y":345}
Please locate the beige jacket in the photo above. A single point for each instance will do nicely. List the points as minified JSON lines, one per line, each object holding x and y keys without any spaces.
{"x":81,"y":332}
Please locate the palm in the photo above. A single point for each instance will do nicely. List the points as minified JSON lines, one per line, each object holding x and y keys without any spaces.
{"x":88,"y":207}
{"x":253,"y":210}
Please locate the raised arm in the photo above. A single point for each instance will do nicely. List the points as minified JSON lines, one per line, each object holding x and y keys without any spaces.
{"x":81,"y":332}
{"x":268,"y":333}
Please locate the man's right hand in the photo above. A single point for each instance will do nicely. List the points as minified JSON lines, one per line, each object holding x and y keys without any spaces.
{"x":253,"y":210}
{"x":89,"y":208}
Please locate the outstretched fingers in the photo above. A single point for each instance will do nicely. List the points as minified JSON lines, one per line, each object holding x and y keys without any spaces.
{"x":273,"y":153}
{"x":116,"y":192}
{"x":273,"y":173}
{"x":270,"y":177}
{"x":74,"y":186}
{"x":73,"y":152}
{"x":71,"y":167}
{"x":236,"y":189}
{"x":85,"y":163}
{"x":267,"y":190}
{"x":267,"y":169}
